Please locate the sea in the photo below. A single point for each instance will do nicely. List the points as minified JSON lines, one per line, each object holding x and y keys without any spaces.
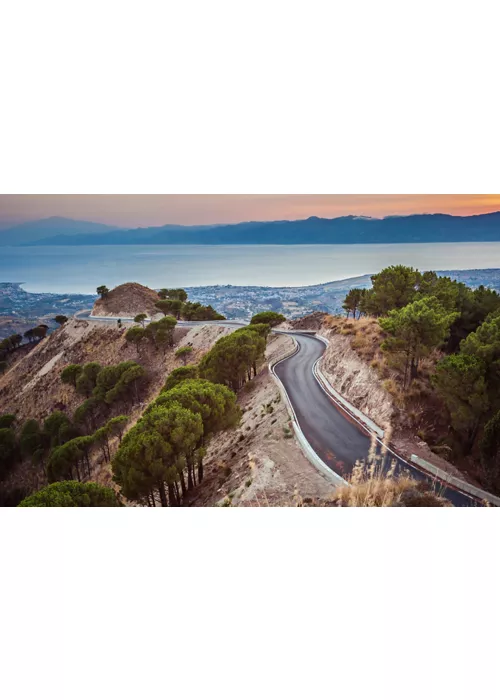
{"x":80,"y":269}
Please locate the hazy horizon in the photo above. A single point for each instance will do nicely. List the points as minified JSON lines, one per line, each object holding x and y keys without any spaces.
{"x":132,"y":211}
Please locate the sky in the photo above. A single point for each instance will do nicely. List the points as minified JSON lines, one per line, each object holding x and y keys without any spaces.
{"x":155,"y":210}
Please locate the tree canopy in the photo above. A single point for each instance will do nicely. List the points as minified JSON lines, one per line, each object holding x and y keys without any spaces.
{"x":415,"y":330}
{"x":460,"y":380}
{"x":72,"y":494}
{"x":270,"y":318}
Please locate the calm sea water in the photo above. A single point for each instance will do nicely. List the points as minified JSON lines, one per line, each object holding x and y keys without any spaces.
{"x":81,"y":269}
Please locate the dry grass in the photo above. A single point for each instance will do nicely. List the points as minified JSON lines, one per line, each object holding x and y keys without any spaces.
{"x":370,"y":488}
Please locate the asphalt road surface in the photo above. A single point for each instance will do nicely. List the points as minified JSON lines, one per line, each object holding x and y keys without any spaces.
{"x":336,"y":437}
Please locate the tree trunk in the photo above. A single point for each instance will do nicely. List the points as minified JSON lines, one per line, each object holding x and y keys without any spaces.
{"x":183,"y":484}
{"x":171,"y":495}
{"x":163,"y":495}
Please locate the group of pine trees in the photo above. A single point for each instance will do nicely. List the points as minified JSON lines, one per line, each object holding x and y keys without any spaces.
{"x":32,"y":335}
{"x":61,"y":445}
{"x":422,"y":312}
{"x":161,"y":458}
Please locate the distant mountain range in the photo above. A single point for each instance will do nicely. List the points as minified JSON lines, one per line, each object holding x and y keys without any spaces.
{"x":35,"y":231}
{"x":416,"y":228}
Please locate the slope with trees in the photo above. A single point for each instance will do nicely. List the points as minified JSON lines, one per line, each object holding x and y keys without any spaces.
{"x":437,"y":351}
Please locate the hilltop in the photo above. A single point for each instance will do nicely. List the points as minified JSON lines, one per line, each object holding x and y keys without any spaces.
{"x":127,"y":300}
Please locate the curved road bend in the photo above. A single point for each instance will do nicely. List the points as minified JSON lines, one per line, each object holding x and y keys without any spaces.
{"x":335,"y":436}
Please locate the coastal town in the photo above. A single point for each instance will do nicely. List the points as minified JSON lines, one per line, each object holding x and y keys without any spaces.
{"x":20,"y":309}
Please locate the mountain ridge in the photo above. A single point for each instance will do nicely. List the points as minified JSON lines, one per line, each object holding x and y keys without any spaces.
{"x":352,"y":229}
{"x":31,"y":231}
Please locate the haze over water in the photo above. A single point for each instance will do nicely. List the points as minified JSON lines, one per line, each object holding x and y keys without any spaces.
{"x":80,"y":269}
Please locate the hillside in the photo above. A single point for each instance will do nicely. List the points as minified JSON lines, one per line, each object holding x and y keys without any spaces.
{"x":32,"y":387}
{"x":417,"y":228}
{"x":127,"y":300}
{"x":415,"y":421}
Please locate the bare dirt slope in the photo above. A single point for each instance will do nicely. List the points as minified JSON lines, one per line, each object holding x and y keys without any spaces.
{"x":127,"y":299}
{"x":260,"y":463}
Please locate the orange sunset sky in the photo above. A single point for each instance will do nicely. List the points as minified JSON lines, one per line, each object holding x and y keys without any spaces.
{"x":154,"y":210}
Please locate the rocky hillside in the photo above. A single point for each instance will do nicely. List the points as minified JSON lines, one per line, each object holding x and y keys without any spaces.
{"x":127,"y":300}
{"x":32,"y":388}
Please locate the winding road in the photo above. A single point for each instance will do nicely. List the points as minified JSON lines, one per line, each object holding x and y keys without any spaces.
{"x":336,"y":437}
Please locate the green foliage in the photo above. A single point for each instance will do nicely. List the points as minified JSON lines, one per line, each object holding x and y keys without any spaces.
{"x":162,"y":455}
{"x":103,"y":291}
{"x":460,"y":381}
{"x":393,"y":288}
{"x":484,"y":342}
{"x":116,"y":426}
{"x":233,"y":357}
{"x":140,"y":318}
{"x":70,"y":460}
{"x":415,"y":330}
{"x":270,"y":318}
{"x":8,"y":450}
{"x":40,"y":332}
{"x":70,"y":374}
{"x":170,"y":307}
{"x":161,"y":333}
{"x":183,"y":353}
{"x":119,"y":382}
{"x":262,"y":329}
{"x":60,"y":319}
{"x":180,"y":374}
{"x":165,"y":306}
{"x":353,"y":301}
{"x":72,"y":494}
{"x":490,"y":453}
{"x":3,"y":366}
{"x":179,"y":294}
{"x":214,"y":402}
{"x":11,"y":343}
{"x":54,"y":428}
{"x":194,"y":311}
{"x":31,"y":438}
{"x":135,"y":335}
{"x":86,"y":414}
{"x":87,"y":378}
{"x":7,"y":420}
